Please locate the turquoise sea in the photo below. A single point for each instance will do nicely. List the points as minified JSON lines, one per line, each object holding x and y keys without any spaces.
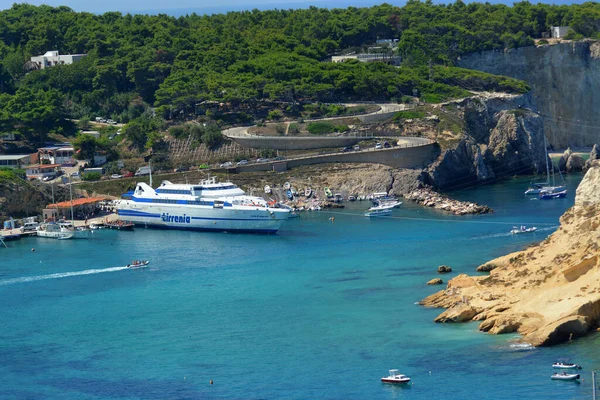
{"x":321,"y":310}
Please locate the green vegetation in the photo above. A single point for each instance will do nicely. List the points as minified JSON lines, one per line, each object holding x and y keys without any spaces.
{"x":323,"y":127}
{"x":402,"y":115}
{"x":92,"y":176}
{"x":142,"y":69}
{"x":11,"y":174}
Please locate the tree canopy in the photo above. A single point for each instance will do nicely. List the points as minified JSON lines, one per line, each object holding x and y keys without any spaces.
{"x":135,"y":62}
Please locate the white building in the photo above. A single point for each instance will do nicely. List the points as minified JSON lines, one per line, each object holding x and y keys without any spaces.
{"x":52,"y":58}
{"x":15,"y":161}
{"x":369,"y":57}
{"x":41,"y":171}
{"x":559,"y":32}
{"x":57,"y":155}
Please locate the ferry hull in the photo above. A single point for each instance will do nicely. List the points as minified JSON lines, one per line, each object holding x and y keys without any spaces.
{"x":260,"y":220}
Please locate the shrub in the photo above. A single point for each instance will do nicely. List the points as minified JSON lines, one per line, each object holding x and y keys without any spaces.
{"x":274,"y":115}
{"x":92,"y":176}
{"x":402,"y":115}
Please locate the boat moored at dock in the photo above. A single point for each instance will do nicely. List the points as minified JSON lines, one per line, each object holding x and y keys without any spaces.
{"x":205,"y":206}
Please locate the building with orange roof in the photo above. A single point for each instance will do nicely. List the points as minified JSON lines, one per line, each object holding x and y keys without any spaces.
{"x":83,"y":208}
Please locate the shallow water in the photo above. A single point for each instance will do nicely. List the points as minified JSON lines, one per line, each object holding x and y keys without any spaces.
{"x":321,"y":310}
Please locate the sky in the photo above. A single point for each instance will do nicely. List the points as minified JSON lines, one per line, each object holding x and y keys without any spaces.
{"x":182,"y":7}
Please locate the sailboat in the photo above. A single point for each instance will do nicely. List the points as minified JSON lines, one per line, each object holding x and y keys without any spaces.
{"x":539,"y":187}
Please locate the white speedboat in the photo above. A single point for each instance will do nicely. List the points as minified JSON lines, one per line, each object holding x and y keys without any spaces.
{"x":564,"y":376}
{"x":395,"y":377}
{"x":382,"y":212}
{"x":138,"y":264}
{"x":268,"y":189}
{"x":522,"y":229}
{"x":205,"y":206}
{"x":287,"y":186}
{"x":565,"y":365}
{"x":53,"y":231}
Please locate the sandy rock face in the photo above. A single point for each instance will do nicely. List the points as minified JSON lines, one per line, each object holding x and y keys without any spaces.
{"x":549,"y":293}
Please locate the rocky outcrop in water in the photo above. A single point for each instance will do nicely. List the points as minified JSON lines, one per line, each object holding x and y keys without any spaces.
{"x":502,"y":138}
{"x":550,"y":292}
{"x":430,"y":198}
{"x":570,"y":162}
{"x":563,"y":78}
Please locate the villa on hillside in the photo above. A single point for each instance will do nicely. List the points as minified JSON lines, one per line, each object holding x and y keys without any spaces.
{"x":57,"y":155}
{"x":382,"y":52}
{"x":52,"y":58}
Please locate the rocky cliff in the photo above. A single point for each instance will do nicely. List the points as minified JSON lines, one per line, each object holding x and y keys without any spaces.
{"x":501,"y":137}
{"x":564,"y":79}
{"x":549,"y":293}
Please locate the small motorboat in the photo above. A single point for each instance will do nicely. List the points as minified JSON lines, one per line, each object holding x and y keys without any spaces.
{"x":395,"y":377}
{"x":552,"y":194}
{"x":378,"y":212}
{"x":289,"y":194}
{"x":138,"y":264}
{"x":338,"y":198}
{"x":565,"y":365}
{"x":327,"y":192}
{"x":307,"y":192}
{"x":287,"y":186}
{"x":522,"y":229}
{"x":564,"y":376}
{"x":351,"y":198}
{"x":267,"y":189}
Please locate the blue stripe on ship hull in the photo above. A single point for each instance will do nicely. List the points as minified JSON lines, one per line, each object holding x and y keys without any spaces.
{"x":133,"y":213}
{"x":189,"y":228}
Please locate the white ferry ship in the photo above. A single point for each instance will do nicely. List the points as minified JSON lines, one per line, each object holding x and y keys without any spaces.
{"x":205,"y":206}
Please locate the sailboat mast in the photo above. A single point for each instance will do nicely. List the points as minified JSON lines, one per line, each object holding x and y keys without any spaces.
{"x":71,"y":194}
{"x":547,"y":166}
{"x":150,"y":168}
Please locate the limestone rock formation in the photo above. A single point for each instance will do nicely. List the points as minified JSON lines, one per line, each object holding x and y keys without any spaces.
{"x":502,"y":137}
{"x":549,"y":293}
{"x":570,"y":162}
{"x":594,"y":155}
{"x":435,"y":281}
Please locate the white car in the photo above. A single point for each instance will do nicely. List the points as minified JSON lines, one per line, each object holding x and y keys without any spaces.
{"x":261,"y":160}
{"x":242,"y":162}
{"x":226,"y":164}
{"x":116,"y":176}
{"x":378,"y":146}
{"x":48,"y":178}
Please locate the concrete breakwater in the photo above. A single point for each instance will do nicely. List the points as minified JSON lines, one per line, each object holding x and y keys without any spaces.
{"x":430,"y":198}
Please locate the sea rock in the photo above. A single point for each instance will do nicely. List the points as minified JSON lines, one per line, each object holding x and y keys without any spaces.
{"x":430,"y":198}
{"x":562,"y":162}
{"x":458,"y":313}
{"x":435,"y":281}
{"x":444,"y":269}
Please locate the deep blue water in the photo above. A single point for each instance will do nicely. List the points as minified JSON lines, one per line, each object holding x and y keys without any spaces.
{"x":321,"y":310}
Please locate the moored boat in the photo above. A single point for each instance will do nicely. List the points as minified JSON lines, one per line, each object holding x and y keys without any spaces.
{"x":338,"y":198}
{"x":552,"y":194}
{"x":287,"y":186}
{"x":565,"y":365}
{"x":307,"y":192}
{"x":289,"y":194}
{"x":328,"y":192}
{"x":351,"y":198}
{"x":564,"y":376}
{"x":378,"y":212}
{"x":120,"y":225}
{"x":268,"y":189}
{"x":395,"y":377}
{"x":53,"y":230}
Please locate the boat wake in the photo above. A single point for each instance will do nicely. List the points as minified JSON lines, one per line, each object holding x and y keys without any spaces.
{"x":521,"y":346}
{"x":59,"y":275}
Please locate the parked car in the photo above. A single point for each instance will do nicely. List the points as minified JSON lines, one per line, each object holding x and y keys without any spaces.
{"x":226,"y":164}
{"x":48,"y":178}
{"x":116,"y":176}
{"x":279,"y":158}
{"x":75,"y":175}
{"x":181,"y":169}
{"x":345,"y":149}
{"x":242,"y":162}
{"x":356,"y":147}
{"x":378,"y":146}
{"x":386,"y":145}
{"x":261,"y":160}
{"x":128,"y":174}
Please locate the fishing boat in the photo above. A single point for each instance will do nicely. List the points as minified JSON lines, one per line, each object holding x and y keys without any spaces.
{"x":289,"y":194}
{"x":522,"y":229}
{"x":327,"y":192}
{"x":337,"y":198}
{"x":351,"y":198}
{"x":381,"y":212}
{"x":564,"y":376}
{"x":307,"y":192}
{"x":287,"y":186}
{"x":138,"y":264}
{"x":551,"y":194}
{"x":565,"y":365}
{"x":53,"y":230}
{"x":395,"y":377}
{"x":268,"y":189}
